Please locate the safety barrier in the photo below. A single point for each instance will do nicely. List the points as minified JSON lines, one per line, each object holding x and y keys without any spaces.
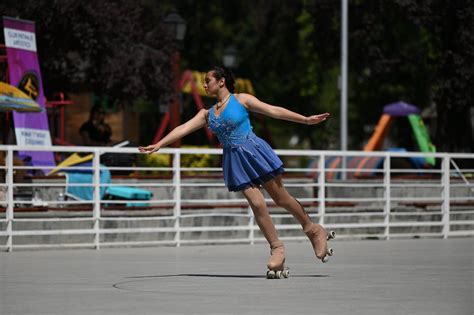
{"x":378,"y":195}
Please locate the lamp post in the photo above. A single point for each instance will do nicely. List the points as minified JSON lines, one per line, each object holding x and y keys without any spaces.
{"x":229,"y":59}
{"x":344,"y":56}
{"x":177,"y":26}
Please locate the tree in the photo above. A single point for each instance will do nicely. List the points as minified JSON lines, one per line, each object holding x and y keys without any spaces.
{"x":388,"y":62}
{"x":274,"y":53}
{"x":109,"y":47}
{"x":450,"y":26}
{"x":419,"y":52}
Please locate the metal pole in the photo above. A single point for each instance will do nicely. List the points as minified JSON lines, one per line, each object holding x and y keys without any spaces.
{"x":322,"y":188}
{"x":177,"y":196}
{"x":10,"y":205}
{"x":387,"y":194}
{"x":445,"y":178}
{"x":97,"y":204}
{"x":344,"y":54}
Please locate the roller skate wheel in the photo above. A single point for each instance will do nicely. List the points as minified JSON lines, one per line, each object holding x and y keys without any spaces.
{"x":286,"y":273}
{"x":330,"y":251}
{"x":325,"y":259}
{"x":279,"y":274}
{"x":271,"y":274}
{"x":331,"y":235}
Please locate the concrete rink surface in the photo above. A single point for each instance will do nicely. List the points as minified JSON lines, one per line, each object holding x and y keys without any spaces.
{"x":423,"y":276}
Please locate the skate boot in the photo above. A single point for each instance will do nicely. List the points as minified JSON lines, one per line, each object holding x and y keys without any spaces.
{"x":276,"y":263}
{"x":319,"y":237}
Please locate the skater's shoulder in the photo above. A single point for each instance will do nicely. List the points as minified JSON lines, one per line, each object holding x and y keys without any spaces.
{"x":244,"y":98}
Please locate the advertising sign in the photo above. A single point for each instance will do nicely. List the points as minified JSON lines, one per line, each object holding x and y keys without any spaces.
{"x":31,"y":129}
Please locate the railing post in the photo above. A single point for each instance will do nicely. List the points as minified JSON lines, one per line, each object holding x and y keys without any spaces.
{"x":322,"y":188}
{"x":96,"y":206}
{"x":177,"y":195}
{"x":387,"y":195}
{"x":10,"y":204}
{"x":445,"y":177}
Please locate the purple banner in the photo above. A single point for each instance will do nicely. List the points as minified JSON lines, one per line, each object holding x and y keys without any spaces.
{"x":31,"y":129}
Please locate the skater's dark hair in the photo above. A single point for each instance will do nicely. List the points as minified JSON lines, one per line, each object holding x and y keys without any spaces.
{"x":220,"y":72}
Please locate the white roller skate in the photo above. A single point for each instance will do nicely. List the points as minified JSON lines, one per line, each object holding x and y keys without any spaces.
{"x":319,"y":237}
{"x":276,"y":263}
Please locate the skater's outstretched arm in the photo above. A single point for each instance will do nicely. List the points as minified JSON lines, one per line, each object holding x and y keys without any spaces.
{"x":255,"y":105}
{"x":179,"y":132}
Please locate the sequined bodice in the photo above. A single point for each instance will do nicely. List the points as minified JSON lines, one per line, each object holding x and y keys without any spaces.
{"x":232,"y":127}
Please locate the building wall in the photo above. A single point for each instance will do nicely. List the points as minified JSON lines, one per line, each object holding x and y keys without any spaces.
{"x":123,"y":122}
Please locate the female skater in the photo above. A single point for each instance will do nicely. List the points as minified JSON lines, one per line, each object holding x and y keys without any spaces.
{"x":249,"y":163}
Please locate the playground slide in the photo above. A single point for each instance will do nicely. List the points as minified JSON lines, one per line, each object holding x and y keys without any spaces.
{"x":75,"y":159}
{"x":422,"y":136}
{"x":376,"y":141}
{"x":12,"y":98}
{"x":72,"y":160}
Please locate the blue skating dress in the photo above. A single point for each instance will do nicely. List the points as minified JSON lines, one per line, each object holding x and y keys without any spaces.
{"x":248,"y":161}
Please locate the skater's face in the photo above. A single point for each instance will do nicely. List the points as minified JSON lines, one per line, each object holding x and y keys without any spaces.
{"x":211,"y":84}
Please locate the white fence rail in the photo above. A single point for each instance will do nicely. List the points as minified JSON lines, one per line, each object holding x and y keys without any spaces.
{"x":388,"y":198}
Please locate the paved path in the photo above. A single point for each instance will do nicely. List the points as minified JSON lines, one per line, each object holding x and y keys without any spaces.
{"x":365,"y":277}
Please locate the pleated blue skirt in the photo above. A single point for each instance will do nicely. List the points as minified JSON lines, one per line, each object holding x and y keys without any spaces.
{"x":250,"y":164}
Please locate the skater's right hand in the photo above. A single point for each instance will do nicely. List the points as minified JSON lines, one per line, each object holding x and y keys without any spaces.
{"x":149,"y":149}
{"x":316,"y":119}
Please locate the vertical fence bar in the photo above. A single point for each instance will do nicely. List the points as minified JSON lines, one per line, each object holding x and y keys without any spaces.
{"x":10,"y":204}
{"x":387,"y":195}
{"x":445,"y":177}
{"x":177,"y":196}
{"x":322,"y":188}
{"x":96,"y":209}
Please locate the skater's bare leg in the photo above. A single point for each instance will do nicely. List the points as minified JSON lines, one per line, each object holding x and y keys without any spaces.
{"x":283,"y":199}
{"x":259,"y":208}
{"x":315,"y":232}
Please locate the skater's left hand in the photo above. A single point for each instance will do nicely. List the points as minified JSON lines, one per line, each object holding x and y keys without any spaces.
{"x":316,"y":119}
{"x":149,"y":149}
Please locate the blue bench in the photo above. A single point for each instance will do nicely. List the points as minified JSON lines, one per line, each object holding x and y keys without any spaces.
{"x":129,"y":193}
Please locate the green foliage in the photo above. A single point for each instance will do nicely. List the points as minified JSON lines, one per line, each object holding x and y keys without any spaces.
{"x":447,"y":32}
{"x":327,"y":135}
{"x":108,"y":47}
{"x":154,"y":160}
{"x":307,"y":56}
{"x":198,"y":160}
{"x":187,"y":160}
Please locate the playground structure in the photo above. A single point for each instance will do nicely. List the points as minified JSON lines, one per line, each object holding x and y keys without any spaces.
{"x":364,"y":166}
{"x":59,"y":101}
{"x":13,"y":99}
{"x":412,"y":113}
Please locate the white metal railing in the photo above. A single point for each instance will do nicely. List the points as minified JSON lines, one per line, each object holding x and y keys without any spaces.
{"x":384,"y":202}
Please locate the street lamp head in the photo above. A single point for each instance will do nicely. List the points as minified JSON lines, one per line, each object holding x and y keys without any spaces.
{"x":229,"y":58}
{"x":176,"y":24}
